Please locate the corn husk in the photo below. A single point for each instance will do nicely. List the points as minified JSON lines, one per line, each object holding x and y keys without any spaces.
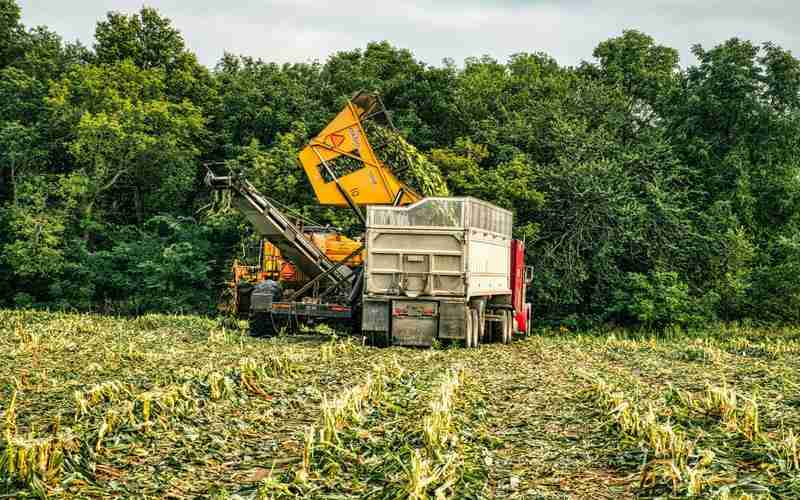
{"x":408,"y":162}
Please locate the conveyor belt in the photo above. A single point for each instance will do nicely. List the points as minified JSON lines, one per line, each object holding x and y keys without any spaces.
{"x":270,"y":222}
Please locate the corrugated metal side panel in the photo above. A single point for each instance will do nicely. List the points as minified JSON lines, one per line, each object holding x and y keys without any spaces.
{"x":488,"y":258}
{"x":414,"y":262}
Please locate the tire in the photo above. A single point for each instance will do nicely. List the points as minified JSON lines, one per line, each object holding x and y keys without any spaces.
{"x":494,"y":329}
{"x":283,"y":324}
{"x":468,"y":329}
{"x":528,"y":317}
{"x":261,"y":325}
{"x":482,"y":326}
{"x":501,"y":327}
{"x":355,"y":322}
{"x":278,"y":324}
{"x":509,"y":324}
{"x":475,"y":331}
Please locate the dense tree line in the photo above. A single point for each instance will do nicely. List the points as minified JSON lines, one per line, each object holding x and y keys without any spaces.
{"x":647,"y":193}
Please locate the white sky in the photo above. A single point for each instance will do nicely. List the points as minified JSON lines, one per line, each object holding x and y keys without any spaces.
{"x":303,"y":30}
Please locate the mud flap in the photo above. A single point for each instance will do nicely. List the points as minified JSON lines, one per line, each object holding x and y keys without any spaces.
{"x":452,"y":319}
{"x":414,"y":323}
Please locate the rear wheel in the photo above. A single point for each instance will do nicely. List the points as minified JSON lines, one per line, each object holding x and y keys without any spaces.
{"x":509,"y":327}
{"x":475,"y":331}
{"x":494,"y":327}
{"x":501,"y":327}
{"x":468,"y":329}
{"x":261,"y":325}
{"x":527,"y":320}
{"x":482,"y":332}
{"x":282,"y":324}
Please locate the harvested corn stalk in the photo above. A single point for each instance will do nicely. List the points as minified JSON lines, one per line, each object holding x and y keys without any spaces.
{"x":404,"y":158}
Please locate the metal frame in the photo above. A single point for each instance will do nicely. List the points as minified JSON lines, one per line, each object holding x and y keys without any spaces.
{"x":286,"y":235}
{"x":315,"y":281}
{"x":371,"y":107}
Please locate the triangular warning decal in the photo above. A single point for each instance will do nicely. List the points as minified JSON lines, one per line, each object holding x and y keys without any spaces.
{"x":334,"y":140}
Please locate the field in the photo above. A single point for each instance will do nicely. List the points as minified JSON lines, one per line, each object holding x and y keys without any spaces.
{"x":179,"y":407}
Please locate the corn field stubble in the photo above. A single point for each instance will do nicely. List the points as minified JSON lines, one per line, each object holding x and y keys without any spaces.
{"x":180,"y":407}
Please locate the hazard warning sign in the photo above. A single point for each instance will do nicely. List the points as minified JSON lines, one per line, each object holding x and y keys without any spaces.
{"x":334,"y":140}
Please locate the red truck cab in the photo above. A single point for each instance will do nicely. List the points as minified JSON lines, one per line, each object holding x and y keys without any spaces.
{"x":521,"y":276}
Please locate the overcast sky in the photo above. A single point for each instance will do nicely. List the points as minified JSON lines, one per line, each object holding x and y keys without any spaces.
{"x":303,"y":30}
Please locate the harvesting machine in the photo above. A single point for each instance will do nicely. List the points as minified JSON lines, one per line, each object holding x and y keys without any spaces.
{"x":424,"y":268}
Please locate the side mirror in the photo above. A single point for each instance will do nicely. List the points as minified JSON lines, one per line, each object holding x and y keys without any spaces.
{"x":528,"y":275}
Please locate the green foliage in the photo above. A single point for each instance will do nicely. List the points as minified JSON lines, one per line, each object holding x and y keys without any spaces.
{"x":21,"y":96}
{"x":659,"y":299}
{"x":46,"y":57}
{"x":644,"y":70}
{"x":399,"y":155}
{"x":9,"y":31}
{"x":36,"y":247}
{"x":274,"y":170}
{"x":776,"y":295}
{"x":645,"y":193}
{"x":164,"y":265}
{"x":18,"y":151}
{"x":510,"y":184}
{"x":128,"y":138}
{"x":146,"y":39}
{"x":149,"y":41}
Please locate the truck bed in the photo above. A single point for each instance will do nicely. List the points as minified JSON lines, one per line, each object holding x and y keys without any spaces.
{"x":438,"y":247}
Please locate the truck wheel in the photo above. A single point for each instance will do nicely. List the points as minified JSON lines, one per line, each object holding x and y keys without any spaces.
{"x":501,"y":327}
{"x":494,"y":329}
{"x":355,"y":323}
{"x":291,"y":325}
{"x":509,"y":327}
{"x":261,"y":325}
{"x":279,"y":324}
{"x":528,"y":317}
{"x":476,"y":327}
{"x":482,"y":326}
{"x":468,"y":329}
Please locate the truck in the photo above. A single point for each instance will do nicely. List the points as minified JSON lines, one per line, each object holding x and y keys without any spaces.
{"x":425,"y":269}
{"x":443,"y":268}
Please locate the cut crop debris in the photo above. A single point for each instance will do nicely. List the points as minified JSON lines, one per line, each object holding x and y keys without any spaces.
{"x":181,"y":406}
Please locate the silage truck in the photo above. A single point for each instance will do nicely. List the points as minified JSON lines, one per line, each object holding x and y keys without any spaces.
{"x":424,"y":269}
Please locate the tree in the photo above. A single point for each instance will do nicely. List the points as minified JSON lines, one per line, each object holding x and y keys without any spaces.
{"x":419,"y":96}
{"x":510,"y":184}
{"x":146,"y":38}
{"x":125,"y":136}
{"x":10,"y":32}
{"x":46,"y":57}
{"x":260,"y":101}
{"x":21,"y":104}
{"x":634,"y":61}
{"x":36,"y":250}
{"x":149,"y":41}
{"x":735,"y":121}
{"x":17,"y":152}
